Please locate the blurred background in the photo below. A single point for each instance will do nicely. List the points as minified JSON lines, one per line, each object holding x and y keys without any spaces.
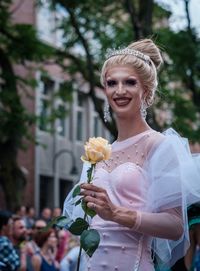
{"x":51,"y":100}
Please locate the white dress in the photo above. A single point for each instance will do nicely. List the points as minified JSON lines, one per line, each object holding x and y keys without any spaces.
{"x":149,"y":172}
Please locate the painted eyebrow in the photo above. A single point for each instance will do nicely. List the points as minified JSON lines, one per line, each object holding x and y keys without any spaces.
{"x":126,"y":77}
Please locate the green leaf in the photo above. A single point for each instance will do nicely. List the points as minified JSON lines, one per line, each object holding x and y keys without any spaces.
{"x":90,"y":241}
{"x":87,"y":210}
{"x":89,"y":174}
{"x":78,"y":226}
{"x":50,"y":224}
{"x":78,"y":202}
{"x":63,"y":222}
{"x":76,"y":191}
{"x":59,"y":221}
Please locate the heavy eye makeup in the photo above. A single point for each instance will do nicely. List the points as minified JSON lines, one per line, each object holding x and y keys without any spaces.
{"x":111,"y":83}
{"x":128,"y":82}
{"x":131,"y":82}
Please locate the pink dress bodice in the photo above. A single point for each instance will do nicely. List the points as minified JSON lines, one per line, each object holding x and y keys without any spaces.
{"x":126,"y":183}
{"x":156,"y":175}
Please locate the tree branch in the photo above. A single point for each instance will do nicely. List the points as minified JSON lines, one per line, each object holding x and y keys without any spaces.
{"x":187,"y":15}
{"x":111,"y":126}
{"x":134,"y":19}
{"x":145,"y":17}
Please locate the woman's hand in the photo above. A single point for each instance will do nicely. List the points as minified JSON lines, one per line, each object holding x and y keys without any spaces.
{"x":98,"y":200}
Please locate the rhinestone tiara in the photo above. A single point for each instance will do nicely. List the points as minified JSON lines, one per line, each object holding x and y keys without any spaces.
{"x":127,"y":51}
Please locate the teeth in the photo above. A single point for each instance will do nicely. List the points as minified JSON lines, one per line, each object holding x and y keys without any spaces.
{"x":122,"y":101}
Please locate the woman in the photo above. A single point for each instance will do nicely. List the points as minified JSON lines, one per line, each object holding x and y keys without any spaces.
{"x":141,"y":192}
{"x":44,"y":260}
{"x":192,"y":257}
{"x":69,"y":262}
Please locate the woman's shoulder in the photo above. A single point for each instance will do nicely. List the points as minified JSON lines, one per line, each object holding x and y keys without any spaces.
{"x":153,"y":141}
{"x":169,"y":144}
{"x":37,"y":258}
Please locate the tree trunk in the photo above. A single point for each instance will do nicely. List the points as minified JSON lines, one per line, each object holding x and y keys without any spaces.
{"x":12,"y":179}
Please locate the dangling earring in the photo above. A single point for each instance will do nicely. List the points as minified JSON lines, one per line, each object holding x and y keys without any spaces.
{"x":143,"y":110}
{"x":106,"y":111}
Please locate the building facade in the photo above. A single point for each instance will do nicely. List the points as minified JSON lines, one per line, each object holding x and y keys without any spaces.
{"x":53,"y":166}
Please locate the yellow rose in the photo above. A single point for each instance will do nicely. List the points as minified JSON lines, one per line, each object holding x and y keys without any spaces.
{"x":96,"y":150}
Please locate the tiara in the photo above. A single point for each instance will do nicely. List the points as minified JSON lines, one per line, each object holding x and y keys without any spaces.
{"x":127,"y":51}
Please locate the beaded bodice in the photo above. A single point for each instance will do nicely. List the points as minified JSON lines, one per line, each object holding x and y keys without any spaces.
{"x":125,"y":180}
{"x":123,"y":175}
{"x":132,"y":150}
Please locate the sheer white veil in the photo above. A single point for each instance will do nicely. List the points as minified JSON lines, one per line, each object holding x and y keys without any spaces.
{"x":174,"y":174}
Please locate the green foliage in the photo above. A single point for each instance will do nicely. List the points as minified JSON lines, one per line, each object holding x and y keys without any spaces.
{"x":76,"y":191}
{"x":60,"y":222}
{"x":95,"y":26}
{"x":89,"y":238}
{"x":34,"y":50}
{"x":78,"y":226}
{"x":179,"y":80}
{"x":90,"y":241}
{"x":87,"y":210}
{"x":19,"y":45}
{"x":89,"y":173}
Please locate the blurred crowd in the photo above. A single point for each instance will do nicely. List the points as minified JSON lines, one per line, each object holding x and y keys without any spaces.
{"x":27,"y":245}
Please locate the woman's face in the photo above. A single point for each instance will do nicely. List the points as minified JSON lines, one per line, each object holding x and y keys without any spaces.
{"x":52,"y":240}
{"x":124,"y":91}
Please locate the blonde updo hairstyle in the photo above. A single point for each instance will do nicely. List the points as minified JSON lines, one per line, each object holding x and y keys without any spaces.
{"x":147,"y":72}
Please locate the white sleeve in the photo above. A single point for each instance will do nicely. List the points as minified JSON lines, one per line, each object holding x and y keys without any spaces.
{"x":174,"y":183}
{"x":69,"y":208}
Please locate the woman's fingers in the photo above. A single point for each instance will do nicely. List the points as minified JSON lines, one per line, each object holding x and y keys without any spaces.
{"x":89,"y":199}
{"x":92,"y":201}
{"x":102,"y":196}
{"x":94,"y":204}
{"x":98,"y":200}
{"x":92,"y":188}
{"x":93,"y":191}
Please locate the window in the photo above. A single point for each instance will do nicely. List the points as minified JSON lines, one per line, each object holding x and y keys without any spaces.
{"x":80,"y":117}
{"x":46,"y":191}
{"x":65,"y":188}
{"x":61,"y":126}
{"x":46,"y":92}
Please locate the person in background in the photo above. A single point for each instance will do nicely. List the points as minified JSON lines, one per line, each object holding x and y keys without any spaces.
{"x":69,"y":262}
{"x":38,"y":226}
{"x":56,"y":212}
{"x":63,"y":243}
{"x":21,"y":211}
{"x":192,"y":258}
{"x":31,"y":245}
{"x":46,"y":214}
{"x":30,"y":217}
{"x":19,"y":240}
{"x":9,"y":259}
{"x":18,"y":231}
{"x":45,"y":259}
{"x":141,"y":193}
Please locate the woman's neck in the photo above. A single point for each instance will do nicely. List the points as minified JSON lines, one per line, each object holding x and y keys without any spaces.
{"x":47,"y":254}
{"x":45,"y":250}
{"x":129,"y":127}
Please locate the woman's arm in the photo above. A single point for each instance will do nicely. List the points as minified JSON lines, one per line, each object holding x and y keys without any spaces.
{"x":167,"y":224}
{"x":36,"y":262}
{"x":191,"y":251}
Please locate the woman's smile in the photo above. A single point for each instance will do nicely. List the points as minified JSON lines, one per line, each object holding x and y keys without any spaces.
{"x":122,"y":101}
{"x":124,"y":90}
